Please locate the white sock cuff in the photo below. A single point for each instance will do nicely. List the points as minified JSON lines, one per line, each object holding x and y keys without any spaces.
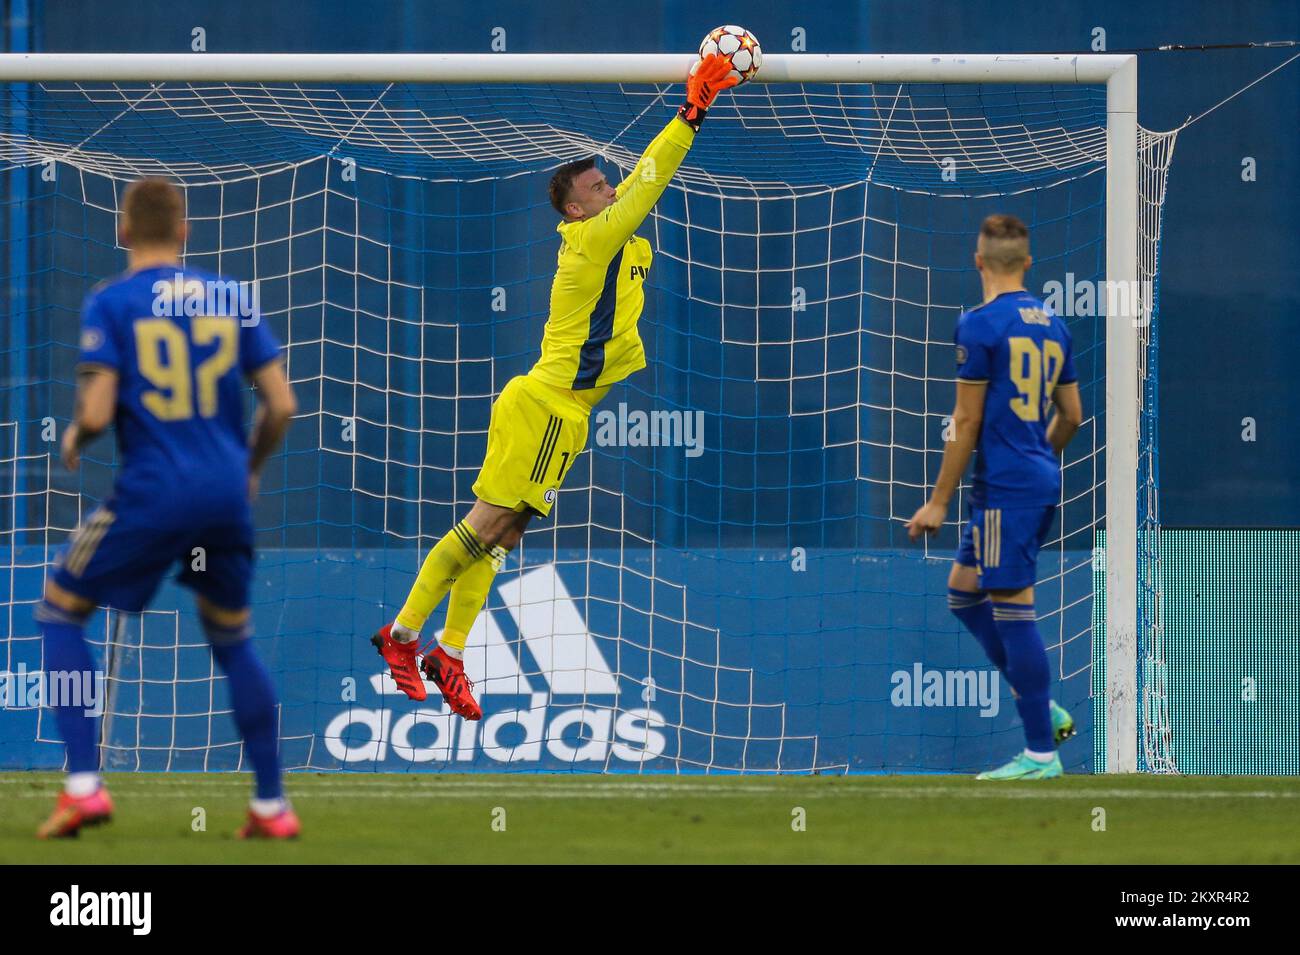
{"x":81,"y":785}
{"x":267,"y":808}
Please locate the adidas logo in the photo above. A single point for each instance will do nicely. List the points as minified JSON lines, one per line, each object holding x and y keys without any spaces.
{"x":568,"y":664}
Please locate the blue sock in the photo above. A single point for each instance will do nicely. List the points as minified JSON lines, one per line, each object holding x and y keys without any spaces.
{"x":252,"y":696}
{"x":975,"y":611}
{"x":66,"y":653}
{"x":1028,"y":671}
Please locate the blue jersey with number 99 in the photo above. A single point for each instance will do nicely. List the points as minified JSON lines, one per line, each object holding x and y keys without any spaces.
{"x":1023,"y":351}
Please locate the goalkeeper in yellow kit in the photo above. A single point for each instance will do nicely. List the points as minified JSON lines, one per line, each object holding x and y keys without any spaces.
{"x":539,"y":421}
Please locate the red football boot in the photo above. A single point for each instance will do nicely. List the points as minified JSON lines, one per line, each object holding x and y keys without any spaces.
{"x":400,"y":658}
{"x":448,"y":674}
{"x":72,"y":813}
{"x":284,"y":825}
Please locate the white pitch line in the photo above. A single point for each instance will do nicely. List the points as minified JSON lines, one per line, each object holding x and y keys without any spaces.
{"x":421,"y":789}
{"x":587,"y":793}
{"x":431,"y":792}
{"x":363,"y":793}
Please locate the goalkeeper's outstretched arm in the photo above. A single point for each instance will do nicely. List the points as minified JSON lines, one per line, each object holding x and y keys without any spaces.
{"x":641,"y":189}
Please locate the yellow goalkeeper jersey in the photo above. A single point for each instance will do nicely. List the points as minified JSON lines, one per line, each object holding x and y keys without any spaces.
{"x":591,"y":338}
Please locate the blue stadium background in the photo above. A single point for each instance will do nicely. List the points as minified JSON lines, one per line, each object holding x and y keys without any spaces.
{"x":1222,"y":360}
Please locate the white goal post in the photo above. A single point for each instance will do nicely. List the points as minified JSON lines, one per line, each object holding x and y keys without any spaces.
{"x":1117,"y":72}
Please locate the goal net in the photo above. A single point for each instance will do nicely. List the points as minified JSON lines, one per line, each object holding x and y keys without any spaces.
{"x":725,"y":583}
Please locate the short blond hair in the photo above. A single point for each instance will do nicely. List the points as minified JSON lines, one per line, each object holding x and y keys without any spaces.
{"x":154,"y":209}
{"x":1004,"y":243}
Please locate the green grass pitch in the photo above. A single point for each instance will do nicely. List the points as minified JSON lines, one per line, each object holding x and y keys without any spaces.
{"x":672,"y":819}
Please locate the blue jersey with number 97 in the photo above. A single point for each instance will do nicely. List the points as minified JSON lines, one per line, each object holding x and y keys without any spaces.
{"x":181,"y":343}
{"x":1023,"y":351}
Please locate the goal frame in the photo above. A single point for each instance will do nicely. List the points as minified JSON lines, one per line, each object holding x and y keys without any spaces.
{"x":1117,"y":72}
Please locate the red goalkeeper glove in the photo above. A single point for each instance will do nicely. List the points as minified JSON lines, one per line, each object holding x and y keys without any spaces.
{"x":711,"y":76}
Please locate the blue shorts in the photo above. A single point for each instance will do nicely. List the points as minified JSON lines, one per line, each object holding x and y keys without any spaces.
{"x":117,"y":561}
{"x":1002,"y":543}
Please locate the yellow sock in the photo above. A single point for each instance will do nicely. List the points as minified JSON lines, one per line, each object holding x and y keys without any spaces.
{"x":468,"y":595}
{"x":450,"y":557}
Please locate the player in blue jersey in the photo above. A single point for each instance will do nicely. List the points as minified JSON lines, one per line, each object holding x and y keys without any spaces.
{"x":1014,"y":363}
{"x":164,"y":349}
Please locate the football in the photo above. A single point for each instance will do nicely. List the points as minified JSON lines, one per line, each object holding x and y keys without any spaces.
{"x":738,"y":44}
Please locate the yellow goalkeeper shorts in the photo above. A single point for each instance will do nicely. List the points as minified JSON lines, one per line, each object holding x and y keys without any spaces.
{"x":535,"y":432}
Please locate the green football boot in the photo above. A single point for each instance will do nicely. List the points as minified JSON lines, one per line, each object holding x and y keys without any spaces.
{"x":1062,"y":723}
{"x":1022,"y":767}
